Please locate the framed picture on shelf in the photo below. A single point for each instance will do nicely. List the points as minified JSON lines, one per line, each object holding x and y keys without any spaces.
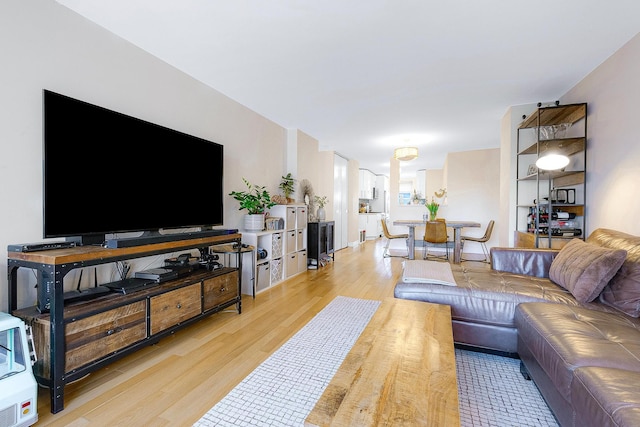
{"x":532,"y":170}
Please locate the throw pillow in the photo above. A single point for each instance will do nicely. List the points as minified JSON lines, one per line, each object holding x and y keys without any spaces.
{"x":585,"y":269}
{"x":623,"y":291}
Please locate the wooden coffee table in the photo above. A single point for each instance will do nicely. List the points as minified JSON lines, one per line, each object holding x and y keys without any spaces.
{"x":401,"y":371}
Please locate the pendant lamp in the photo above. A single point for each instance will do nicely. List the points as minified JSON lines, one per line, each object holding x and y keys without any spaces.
{"x":552,"y":161}
{"x":405,"y":153}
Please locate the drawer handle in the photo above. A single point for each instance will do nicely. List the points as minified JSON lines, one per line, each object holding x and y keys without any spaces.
{"x":223,"y":289}
{"x":113,"y":331}
{"x":179,"y":305}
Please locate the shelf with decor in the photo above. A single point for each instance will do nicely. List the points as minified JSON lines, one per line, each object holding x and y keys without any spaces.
{"x":268,"y":265}
{"x":281,"y":250}
{"x":550,"y":207}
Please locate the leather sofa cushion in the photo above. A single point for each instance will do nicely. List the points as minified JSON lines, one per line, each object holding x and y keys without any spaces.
{"x":623,"y":291}
{"x":584,"y":269}
{"x":562,"y":338}
{"x":526,"y":261}
{"x":606,"y":397}
{"x":488,"y":296}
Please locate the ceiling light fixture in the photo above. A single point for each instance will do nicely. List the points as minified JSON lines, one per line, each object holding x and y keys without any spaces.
{"x":552,"y":161}
{"x":405,"y":153}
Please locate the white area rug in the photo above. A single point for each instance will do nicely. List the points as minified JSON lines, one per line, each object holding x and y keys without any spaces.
{"x":283,"y":390}
{"x":492,"y":392}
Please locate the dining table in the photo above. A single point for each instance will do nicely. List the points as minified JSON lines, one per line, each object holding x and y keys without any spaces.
{"x":457,"y":227}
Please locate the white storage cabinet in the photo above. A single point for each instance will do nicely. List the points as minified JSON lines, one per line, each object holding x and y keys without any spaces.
{"x":280,"y":253}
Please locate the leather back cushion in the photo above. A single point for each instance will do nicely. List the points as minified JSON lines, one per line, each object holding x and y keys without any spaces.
{"x":585,"y":269}
{"x":623,"y":291}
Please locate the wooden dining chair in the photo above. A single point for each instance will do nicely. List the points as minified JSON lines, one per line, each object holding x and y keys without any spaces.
{"x":435,"y":236}
{"x":448,"y":235}
{"x":482,"y":240}
{"x":389,"y":237}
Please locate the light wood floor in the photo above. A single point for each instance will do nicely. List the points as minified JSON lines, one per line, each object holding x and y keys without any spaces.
{"x":176,"y":381}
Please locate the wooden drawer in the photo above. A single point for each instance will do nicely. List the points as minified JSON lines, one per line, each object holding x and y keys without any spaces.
{"x":97,"y":336}
{"x":91,"y":338}
{"x":174,"y":307}
{"x":220,"y":289}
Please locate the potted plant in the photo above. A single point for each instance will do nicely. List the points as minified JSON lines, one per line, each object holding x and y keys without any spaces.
{"x":287,"y":186}
{"x":321,"y":201}
{"x":256,"y":200}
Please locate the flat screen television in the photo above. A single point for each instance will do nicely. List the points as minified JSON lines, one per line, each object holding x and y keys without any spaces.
{"x":105,"y":172}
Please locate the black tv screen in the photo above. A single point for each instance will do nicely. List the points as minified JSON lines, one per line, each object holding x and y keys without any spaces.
{"x":105,"y":172}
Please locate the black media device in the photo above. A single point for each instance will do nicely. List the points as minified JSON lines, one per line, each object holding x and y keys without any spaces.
{"x":44,"y":246}
{"x":182,"y":260}
{"x":156,"y":274}
{"x":161,"y":238}
{"x":85,"y":294}
{"x":130,"y":285}
{"x":106,"y":172}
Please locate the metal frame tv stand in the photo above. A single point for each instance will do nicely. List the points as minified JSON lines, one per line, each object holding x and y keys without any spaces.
{"x":114,"y":325}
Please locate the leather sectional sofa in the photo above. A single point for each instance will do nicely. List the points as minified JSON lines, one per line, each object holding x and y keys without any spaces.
{"x":570,"y":315}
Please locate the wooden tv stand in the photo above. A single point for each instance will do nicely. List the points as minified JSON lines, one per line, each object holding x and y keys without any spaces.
{"x":74,"y":340}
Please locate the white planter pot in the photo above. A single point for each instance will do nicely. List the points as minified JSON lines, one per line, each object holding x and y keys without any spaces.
{"x":254,"y":222}
{"x":321,"y":214}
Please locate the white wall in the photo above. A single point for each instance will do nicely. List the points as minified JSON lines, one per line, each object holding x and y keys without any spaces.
{"x":45,"y":45}
{"x":317,"y":168}
{"x":612,"y":92}
{"x":472,"y":180}
{"x":434,"y":182}
{"x":506,"y":221}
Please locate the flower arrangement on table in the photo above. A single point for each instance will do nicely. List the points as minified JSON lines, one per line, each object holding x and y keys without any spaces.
{"x":433,"y":209}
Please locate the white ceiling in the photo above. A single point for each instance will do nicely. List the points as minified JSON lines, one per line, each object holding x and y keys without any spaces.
{"x":366,"y":76}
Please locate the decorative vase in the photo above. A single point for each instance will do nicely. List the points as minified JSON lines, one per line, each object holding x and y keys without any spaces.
{"x":433,"y":215}
{"x":320,"y":214}
{"x":254,"y":222}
